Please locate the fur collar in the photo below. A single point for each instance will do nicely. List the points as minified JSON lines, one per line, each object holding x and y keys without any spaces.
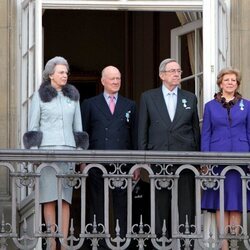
{"x":218,"y":97}
{"x":47,"y":92}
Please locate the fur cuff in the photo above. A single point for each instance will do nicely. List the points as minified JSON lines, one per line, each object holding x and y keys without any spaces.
{"x":81,"y":139}
{"x":32,"y":139}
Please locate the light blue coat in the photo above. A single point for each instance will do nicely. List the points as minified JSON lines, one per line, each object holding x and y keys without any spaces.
{"x":57,"y":119}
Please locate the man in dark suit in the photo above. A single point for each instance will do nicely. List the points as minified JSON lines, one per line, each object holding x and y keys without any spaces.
{"x":111,"y":128}
{"x":168,"y":120}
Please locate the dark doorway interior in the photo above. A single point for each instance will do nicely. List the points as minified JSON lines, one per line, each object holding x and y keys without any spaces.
{"x":135,"y":42}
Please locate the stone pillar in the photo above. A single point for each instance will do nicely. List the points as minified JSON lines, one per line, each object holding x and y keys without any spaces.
{"x":4,"y":73}
{"x":8,"y":99}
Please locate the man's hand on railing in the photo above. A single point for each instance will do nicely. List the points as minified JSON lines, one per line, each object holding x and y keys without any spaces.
{"x":82,"y":167}
{"x":137,"y":174}
{"x":204,"y":169}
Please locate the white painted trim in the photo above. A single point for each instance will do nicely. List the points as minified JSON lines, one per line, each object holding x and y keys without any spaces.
{"x":24,"y":3}
{"x":186,"y":28}
{"x":124,"y":5}
{"x":38,"y":44}
{"x":228,"y":11}
{"x":211,"y":60}
{"x":179,"y":31}
{"x":209,"y":49}
{"x":19,"y":70}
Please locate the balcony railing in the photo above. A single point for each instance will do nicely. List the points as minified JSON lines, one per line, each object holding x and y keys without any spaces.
{"x":28,"y":232}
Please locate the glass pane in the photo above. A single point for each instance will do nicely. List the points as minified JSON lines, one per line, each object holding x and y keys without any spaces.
{"x":30,"y":83}
{"x":24,"y":78}
{"x":31,"y":24}
{"x":188,"y":85}
{"x":185,"y":57}
{"x":25,"y":28}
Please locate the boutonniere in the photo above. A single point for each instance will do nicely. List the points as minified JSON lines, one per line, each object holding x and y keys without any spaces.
{"x":184,"y":102}
{"x":241,"y":105}
{"x":127,"y":115}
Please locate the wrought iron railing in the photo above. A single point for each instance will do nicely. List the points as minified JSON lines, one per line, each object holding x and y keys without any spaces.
{"x":25,"y":167}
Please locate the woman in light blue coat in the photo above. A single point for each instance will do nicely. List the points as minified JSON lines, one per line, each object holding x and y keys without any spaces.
{"x":55,"y":123}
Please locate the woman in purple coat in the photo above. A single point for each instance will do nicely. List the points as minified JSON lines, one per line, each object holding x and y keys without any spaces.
{"x":226,"y":128}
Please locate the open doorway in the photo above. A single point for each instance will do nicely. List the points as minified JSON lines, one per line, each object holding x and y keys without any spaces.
{"x":134,"y":42}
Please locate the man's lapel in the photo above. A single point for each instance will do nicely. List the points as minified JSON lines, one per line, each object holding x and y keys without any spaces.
{"x":161,"y":106}
{"x":103,"y":106}
{"x":179,"y":106}
{"x":120,"y":107}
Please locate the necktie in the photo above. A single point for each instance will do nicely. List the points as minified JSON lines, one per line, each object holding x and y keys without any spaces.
{"x":171,"y":106}
{"x":112,"y":103}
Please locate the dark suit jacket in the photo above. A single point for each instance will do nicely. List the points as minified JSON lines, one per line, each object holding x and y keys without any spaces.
{"x":107,"y":131}
{"x":157,"y":132}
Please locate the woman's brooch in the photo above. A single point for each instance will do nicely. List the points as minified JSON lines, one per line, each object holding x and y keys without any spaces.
{"x":241,"y":105}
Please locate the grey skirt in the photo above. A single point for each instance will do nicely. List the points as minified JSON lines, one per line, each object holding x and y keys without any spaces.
{"x":48,"y":180}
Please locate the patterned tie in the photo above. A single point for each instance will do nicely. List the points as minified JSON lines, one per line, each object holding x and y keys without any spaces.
{"x":112,"y":103}
{"x":171,"y":105}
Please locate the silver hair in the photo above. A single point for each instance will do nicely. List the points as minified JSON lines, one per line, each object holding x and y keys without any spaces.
{"x":49,"y":68}
{"x":163,"y":64}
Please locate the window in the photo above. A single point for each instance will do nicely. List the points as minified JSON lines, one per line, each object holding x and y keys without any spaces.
{"x":192,"y":32}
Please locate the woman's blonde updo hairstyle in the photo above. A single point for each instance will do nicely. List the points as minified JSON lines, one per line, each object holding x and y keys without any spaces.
{"x":228,"y":70}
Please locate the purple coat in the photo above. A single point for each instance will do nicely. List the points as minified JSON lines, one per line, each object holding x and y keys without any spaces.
{"x":218,"y":135}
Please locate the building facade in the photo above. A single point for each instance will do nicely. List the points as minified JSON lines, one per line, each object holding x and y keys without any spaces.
{"x":134,"y":35}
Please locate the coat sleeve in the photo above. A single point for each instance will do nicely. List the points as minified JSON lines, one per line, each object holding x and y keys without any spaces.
{"x":248,"y":123}
{"x":81,"y":137}
{"x":77,"y":121}
{"x":85,"y":111}
{"x":143,"y":124}
{"x":206,"y":130}
{"x":35,"y":113}
{"x":196,"y":126}
{"x":134,"y":127}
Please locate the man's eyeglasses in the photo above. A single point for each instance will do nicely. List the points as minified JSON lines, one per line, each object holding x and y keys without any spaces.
{"x":172,"y":71}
